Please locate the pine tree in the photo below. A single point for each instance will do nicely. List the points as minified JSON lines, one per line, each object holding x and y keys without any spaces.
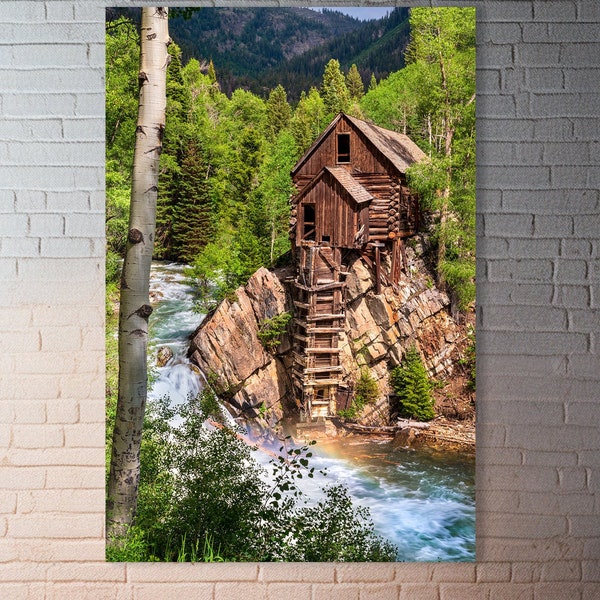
{"x":333,"y":89}
{"x":191,"y":212}
{"x":373,"y":82}
{"x":413,"y":388}
{"x":279,"y":112}
{"x":354,"y":83}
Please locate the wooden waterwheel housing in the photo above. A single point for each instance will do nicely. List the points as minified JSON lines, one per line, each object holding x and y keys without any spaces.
{"x":352,"y":194}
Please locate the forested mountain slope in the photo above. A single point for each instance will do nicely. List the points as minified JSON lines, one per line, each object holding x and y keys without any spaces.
{"x":258,"y":48}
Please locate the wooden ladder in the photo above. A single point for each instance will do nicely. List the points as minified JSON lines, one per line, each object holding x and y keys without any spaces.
{"x":319,"y":318}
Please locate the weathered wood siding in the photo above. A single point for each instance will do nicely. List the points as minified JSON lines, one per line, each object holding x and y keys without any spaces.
{"x":336,"y":214}
{"x":362,"y":158}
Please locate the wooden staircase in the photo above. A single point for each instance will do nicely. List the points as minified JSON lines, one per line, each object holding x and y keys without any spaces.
{"x":319,"y":317}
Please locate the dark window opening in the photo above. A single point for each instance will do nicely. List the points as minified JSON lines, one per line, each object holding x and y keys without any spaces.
{"x":325,"y":238}
{"x":343,"y":147}
{"x":309,"y":232}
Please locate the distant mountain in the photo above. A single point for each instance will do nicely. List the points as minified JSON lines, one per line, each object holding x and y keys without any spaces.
{"x":377,"y":47}
{"x":257,"y":48}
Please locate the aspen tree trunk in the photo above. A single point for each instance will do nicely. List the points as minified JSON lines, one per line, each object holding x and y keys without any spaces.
{"x":135,"y":305}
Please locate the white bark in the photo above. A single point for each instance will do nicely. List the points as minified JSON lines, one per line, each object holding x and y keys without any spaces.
{"x":135,"y":305}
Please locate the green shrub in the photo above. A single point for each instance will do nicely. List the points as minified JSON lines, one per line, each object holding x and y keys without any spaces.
{"x":271,"y":330}
{"x":366,"y":392}
{"x":203,"y":497}
{"x":413,"y":387}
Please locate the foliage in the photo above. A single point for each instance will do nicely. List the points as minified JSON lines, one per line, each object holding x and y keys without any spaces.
{"x":333,"y":89}
{"x":411,"y":384}
{"x":271,"y":330}
{"x":366,"y":391}
{"x":204,"y":497}
{"x":433,"y":101}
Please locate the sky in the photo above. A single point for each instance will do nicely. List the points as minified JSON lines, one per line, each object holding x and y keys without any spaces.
{"x":361,"y":12}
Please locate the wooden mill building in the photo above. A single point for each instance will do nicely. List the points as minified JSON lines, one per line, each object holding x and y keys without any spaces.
{"x":352,"y":195}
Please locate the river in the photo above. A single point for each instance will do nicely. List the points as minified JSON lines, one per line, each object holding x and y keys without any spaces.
{"x":423,"y":502}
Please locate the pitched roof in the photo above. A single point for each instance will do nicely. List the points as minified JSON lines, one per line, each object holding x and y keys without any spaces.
{"x":354,"y":189}
{"x":398,"y":148}
{"x":358,"y":193}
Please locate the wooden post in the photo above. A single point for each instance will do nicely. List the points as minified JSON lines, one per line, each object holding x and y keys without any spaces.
{"x":377,"y":270}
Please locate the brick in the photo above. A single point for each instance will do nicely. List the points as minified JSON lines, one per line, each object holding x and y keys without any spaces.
{"x":84,"y":436}
{"x":499,"y":33}
{"x":533,"y":248}
{"x":66,"y":247}
{"x":459,"y":591}
{"x":37,"y":436}
{"x":590,"y":570}
{"x":87,"y":572}
{"x":537,"y":54}
{"x":488,"y":81}
{"x":323,"y":591}
{"x":236,"y":590}
{"x":493,"y":572}
{"x":520,"y":270}
{"x":52,"y":80}
{"x":59,"y":11}
{"x":547,"y":79}
{"x":60,"y":501}
{"x":509,"y":225}
{"x":550,"y":438}
{"x":510,"y":592}
{"x":177,"y":591}
{"x":570,"y":271}
{"x":557,"y":591}
{"x":48,"y":129}
{"x":498,"y":11}
{"x":187,"y":572}
{"x":74,"y":477}
{"x":375,"y":573}
{"x":277,"y":591}
{"x":419,"y":591}
{"x":579,"y":54}
{"x":379,"y":591}
{"x":525,"y":318}
{"x":536,"y":32}
{"x":85,"y":591}
{"x":84,"y":225}
{"x":57,"y":526}
{"x":558,"y":459}
{"x":13,"y":224}
{"x":554,"y":10}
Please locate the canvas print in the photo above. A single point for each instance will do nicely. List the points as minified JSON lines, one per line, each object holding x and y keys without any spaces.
{"x":290,"y":276}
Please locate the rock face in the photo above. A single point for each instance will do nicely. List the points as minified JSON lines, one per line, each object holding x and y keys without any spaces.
{"x":227,"y":348}
{"x":379,"y":329}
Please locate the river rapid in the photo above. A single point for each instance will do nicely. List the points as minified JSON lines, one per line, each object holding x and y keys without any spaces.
{"x":423,"y":502}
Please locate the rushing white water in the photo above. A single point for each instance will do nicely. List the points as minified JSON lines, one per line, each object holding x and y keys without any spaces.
{"x":422,"y":502}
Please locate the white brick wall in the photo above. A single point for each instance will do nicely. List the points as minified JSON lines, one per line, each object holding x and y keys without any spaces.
{"x":538,"y":476}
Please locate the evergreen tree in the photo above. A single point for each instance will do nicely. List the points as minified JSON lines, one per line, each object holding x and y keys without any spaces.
{"x":191,"y":211}
{"x":373,"y":82}
{"x":178,"y":108}
{"x":334,"y":91}
{"x":354,"y":83}
{"x":279,"y":112}
{"x":413,"y":388}
{"x":212,"y":74}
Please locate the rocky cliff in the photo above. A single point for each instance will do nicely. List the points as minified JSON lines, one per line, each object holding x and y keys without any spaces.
{"x":379,"y":328}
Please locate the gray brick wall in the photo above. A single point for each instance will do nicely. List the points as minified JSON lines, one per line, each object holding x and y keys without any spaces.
{"x":538,"y":476}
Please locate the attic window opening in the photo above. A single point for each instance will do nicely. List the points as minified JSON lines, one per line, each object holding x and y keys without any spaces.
{"x":343,"y":147}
